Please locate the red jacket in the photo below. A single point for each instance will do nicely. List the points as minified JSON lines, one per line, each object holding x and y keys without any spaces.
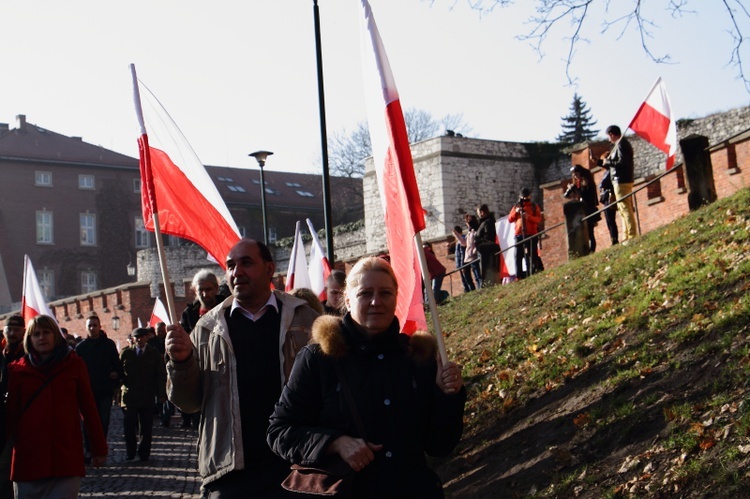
{"x":49,"y":442}
{"x":532,"y":219}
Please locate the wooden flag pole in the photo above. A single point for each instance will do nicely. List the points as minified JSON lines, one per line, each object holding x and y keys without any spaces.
{"x":431,"y":299}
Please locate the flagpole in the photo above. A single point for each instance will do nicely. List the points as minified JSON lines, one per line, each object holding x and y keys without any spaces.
{"x":323,"y":138}
{"x":147,"y":175}
{"x":431,"y":298}
{"x":23,"y":289}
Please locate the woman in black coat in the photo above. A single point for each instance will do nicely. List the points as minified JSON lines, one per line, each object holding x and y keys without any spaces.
{"x":407,"y":401}
{"x":583,"y":187}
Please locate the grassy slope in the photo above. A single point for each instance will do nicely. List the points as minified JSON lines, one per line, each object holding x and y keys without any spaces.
{"x":624,"y":373}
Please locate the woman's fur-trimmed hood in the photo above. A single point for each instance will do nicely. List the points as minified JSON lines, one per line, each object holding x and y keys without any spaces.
{"x":327,"y":332}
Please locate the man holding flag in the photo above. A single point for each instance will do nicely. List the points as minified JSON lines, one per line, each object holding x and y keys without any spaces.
{"x":232,"y":368}
{"x":620,"y":163}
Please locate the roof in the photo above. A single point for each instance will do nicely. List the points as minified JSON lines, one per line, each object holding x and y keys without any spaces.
{"x":29,"y":142}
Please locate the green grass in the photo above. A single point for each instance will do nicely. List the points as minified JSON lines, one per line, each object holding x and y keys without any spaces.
{"x":653,"y":334}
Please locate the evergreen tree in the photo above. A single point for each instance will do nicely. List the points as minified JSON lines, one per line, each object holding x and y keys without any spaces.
{"x":577,"y":126}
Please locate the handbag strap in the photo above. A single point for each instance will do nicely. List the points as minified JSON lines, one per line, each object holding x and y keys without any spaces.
{"x":350,"y":399}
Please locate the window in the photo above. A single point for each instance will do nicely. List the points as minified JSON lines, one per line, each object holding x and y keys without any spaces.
{"x":44,"y":227}
{"x":293,"y":184}
{"x":43,"y":179}
{"x":241,"y":228}
{"x":46,"y":280}
{"x":236,"y":188}
{"x":271,"y":234}
{"x":85,"y":181}
{"x":174,"y":241}
{"x":225,"y":179}
{"x":306,"y":194}
{"x":88,"y":229}
{"x":141,"y":234}
{"x":137,"y":185}
{"x":256,"y":182}
{"x":88,"y":281}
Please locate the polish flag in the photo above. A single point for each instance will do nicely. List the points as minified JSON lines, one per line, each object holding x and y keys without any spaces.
{"x":32,"y":300}
{"x":159,"y":314}
{"x":174,"y":182}
{"x":319,"y":268}
{"x":399,"y":194}
{"x":654,"y":122}
{"x":506,"y":238}
{"x":296,"y":276}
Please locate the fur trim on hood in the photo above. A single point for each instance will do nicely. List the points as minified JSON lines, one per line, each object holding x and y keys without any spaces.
{"x":326,"y":332}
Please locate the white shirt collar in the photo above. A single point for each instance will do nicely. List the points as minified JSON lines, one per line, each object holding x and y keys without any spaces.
{"x":257,"y":315}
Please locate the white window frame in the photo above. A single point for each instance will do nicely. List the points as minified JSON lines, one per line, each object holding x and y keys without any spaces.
{"x":43,"y":179}
{"x":272,"y":234}
{"x":45,"y":227}
{"x":86,"y":182}
{"x":88,"y":229}
{"x":136,"y":186}
{"x":46,"y":278}
{"x":89,"y":281}
{"x":142,"y":239}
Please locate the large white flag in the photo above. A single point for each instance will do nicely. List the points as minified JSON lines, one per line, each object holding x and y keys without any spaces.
{"x":32,"y":301}
{"x":399,"y":194}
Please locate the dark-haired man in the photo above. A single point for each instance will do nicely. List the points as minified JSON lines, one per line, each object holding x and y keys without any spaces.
{"x":232,"y":368}
{"x":620,"y":163}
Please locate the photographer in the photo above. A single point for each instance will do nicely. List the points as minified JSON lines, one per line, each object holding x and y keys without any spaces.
{"x":526,"y":216}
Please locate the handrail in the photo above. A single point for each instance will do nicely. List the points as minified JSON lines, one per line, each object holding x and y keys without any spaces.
{"x":539,"y":234}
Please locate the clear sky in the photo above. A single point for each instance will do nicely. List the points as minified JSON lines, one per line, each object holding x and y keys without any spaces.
{"x":240,"y":75}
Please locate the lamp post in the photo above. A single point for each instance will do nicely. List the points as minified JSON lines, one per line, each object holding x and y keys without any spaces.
{"x":131,"y":269}
{"x":260,"y":157}
{"x":115,"y":323}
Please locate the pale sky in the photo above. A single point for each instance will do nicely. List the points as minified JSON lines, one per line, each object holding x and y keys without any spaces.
{"x":239,"y":76}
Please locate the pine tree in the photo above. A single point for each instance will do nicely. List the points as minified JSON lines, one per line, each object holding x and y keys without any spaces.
{"x":577,"y":125}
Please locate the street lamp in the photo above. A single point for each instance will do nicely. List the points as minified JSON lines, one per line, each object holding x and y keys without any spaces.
{"x":115,"y":323}
{"x":131,"y":269}
{"x":261,"y":157}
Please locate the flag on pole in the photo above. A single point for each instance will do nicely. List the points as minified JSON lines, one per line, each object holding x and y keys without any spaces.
{"x":319,"y":268}
{"x":159,"y":314}
{"x":175,"y":182}
{"x":506,"y":238}
{"x":402,"y":207}
{"x":654,"y":122}
{"x":32,"y":300}
{"x":296,"y":276}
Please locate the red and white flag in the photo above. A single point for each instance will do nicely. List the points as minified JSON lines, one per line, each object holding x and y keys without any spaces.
{"x":654,"y":122}
{"x":159,"y":314}
{"x":319,"y":268}
{"x":32,"y":300}
{"x":506,"y":238}
{"x":175,"y":182}
{"x":296,"y":275}
{"x":399,"y":194}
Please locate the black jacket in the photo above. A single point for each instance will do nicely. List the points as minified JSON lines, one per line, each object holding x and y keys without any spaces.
{"x":392,"y":379}
{"x":191,"y":314}
{"x":101,"y":358}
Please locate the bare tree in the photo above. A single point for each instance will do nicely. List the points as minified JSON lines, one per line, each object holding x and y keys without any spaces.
{"x":621,"y":16}
{"x":347,"y":151}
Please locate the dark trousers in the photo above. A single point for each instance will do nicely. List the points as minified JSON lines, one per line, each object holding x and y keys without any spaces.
{"x":466,"y":280}
{"x":610,"y":215}
{"x":592,"y":237}
{"x":103,"y":406}
{"x":138,"y":418}
{"x":527,"y":253}
{"x":488,"y":260}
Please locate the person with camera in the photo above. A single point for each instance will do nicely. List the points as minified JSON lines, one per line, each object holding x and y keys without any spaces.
{"x":526,"y":215}
{"x":583,"y":188}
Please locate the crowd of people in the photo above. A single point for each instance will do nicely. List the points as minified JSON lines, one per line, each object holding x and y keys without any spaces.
{"x":257,"y":371}
{"x":273,"y":382}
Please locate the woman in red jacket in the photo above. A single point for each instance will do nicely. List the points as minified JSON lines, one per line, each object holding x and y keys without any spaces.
{"x":48,"y":392}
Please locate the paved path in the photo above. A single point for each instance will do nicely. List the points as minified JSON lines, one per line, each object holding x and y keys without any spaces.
{"x":171,"y":471}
